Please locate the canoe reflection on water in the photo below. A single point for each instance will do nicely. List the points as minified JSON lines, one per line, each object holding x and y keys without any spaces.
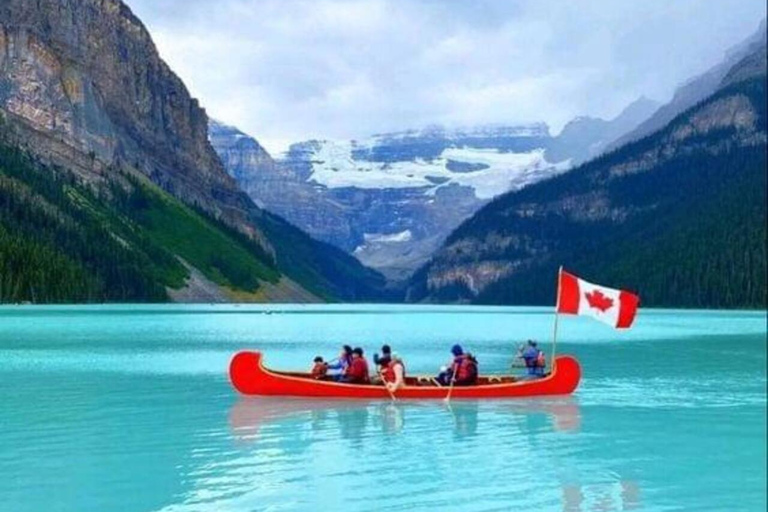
{"x":517,"y":431}
{"x":621,"y":495}
{"x":353,"y":418}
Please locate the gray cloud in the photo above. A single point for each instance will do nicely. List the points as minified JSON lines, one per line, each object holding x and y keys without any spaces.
{"x":288,"y":70}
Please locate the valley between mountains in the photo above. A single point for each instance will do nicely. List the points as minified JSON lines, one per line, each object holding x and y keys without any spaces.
{"x":116,"y":186}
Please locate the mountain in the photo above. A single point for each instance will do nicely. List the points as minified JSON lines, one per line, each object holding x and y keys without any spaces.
{"x":587,"y":137}
{"x":84,"y":93}
{"x":240,"y":154}
{"x":679,"y":216}
{"x":695,"y":89}
{"x":391,"y":199}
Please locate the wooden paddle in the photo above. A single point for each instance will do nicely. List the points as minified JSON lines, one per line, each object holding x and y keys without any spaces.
{"x":450,"y":389}
{"x":391,"y":393}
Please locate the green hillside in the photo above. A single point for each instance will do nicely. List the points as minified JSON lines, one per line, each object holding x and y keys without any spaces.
{"x":321,"y":268}
{"x":61,"y":241}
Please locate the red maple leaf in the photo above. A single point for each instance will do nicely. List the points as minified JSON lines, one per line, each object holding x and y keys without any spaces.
{"x":597,"y":300}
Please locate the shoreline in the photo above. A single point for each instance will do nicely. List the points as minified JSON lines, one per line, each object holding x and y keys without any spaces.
{"x":346,"y":307}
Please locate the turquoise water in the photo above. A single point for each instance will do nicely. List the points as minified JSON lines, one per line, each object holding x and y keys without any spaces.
{"x":129,"y":408}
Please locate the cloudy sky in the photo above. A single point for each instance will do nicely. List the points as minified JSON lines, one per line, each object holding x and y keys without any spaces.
{"x":290,"y":70}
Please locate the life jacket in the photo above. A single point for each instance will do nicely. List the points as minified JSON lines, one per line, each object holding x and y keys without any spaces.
{"x":541,"y":359}
{"x":382,"y":361}
{"x":357,"y":371}
{"x":531,"y":356}
{"x":388,"y":373}
{"x":466,"y":368}
{"x":319,"y":370}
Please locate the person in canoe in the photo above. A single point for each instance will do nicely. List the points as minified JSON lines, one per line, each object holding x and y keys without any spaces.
{"x":357,"y":371}
{"x":319,"y":368}
{"x":342,"y":362}
{"x":386,"y":357}
{"x":394,"y":374}
{"x":381,"y":363}
{"x":463,"y":370}
{"x":535,"y":359}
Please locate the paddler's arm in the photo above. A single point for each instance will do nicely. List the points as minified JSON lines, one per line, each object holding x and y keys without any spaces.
{"x":398,"y":376}
{"x":335,"y":366}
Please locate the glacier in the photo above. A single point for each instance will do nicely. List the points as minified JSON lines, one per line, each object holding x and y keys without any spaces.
{"x":492,"y":171}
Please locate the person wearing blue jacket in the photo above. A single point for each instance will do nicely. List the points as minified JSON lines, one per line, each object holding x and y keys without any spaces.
{"x":534,"y":359}
{"x":341,"y":364}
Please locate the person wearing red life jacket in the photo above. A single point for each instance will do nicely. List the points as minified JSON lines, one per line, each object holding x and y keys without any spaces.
{"x":386,"y":357}
{"x":319,"y":368}
{"x":394,"y":373}
{"x":381,"y":363}
{"x":357,"y":371}
{"x":463,"y":369}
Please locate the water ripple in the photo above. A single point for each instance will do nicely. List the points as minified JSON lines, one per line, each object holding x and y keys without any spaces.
{"x":129,"y":409}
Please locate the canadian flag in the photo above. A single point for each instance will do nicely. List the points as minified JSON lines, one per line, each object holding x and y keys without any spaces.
{"x":579,"y":297}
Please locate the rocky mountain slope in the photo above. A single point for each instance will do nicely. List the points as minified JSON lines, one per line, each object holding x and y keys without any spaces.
{"x":391,"y":199}
{"x":85,"y":82}
{"x":83,"y":88}
{"x":679,"y":216}
{"x":696,"y":89}
{"x":587,"y":137}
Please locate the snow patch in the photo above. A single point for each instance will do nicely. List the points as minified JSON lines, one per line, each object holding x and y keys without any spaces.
{"x":403,"y":236}
{"x":486,"y":130}
{"x":383,"y":238}
{"x":333,"y":166}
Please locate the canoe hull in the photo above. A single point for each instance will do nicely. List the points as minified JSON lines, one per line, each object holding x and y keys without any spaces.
{"x":250,"y":377}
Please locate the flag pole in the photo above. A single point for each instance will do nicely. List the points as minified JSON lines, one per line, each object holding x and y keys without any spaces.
{"x":557,"y":316}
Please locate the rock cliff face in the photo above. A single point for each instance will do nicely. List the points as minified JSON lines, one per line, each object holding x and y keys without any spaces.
{"x":85,"y":75}
{"x":241,"y":154}
{"x":82,"y":86}
{"x":679,"y":215}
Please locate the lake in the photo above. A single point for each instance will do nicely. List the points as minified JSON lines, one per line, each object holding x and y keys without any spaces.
{"x":129,"y":408}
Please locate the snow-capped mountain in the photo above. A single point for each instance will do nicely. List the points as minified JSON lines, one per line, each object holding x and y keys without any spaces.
{"x":391,"y":199}
{"x":408,"y":161}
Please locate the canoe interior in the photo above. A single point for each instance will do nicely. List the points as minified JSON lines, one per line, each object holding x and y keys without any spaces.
{"x":423,"y":381}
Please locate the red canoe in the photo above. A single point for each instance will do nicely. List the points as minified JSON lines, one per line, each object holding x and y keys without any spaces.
{"x":250,"y":377}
